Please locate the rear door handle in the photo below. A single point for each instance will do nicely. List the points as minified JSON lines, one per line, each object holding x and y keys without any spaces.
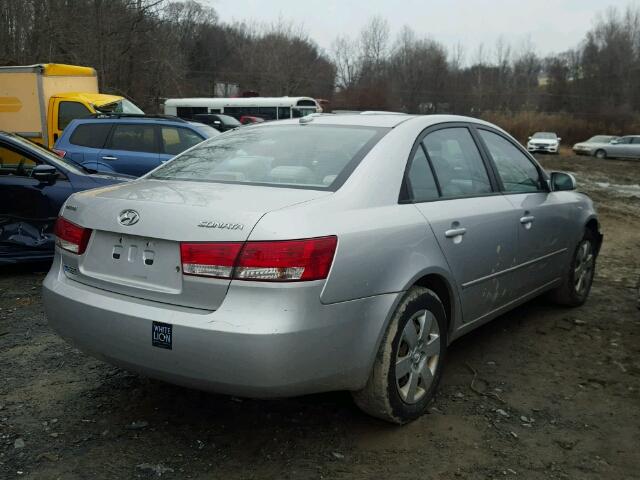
{"x":527,"y":219}
{"x":108,"y":157}
{"x":455,"y":232}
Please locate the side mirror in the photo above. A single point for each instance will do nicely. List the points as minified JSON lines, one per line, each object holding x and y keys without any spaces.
{"x":44,"y":173}
{"x":615,"y":141}
{"x":561,"y":181}
{"x":559,"y":139}
{"x":529,"y":138}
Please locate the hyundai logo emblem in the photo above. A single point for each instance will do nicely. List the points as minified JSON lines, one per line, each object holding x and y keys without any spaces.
{"x":128,"y":218}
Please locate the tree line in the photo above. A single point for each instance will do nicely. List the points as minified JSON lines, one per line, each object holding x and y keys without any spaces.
{"x":149,"y":50}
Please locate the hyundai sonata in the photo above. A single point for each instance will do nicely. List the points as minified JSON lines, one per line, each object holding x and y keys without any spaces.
{"x":333,"y":252}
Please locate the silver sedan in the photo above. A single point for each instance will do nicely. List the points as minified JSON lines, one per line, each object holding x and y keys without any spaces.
{"x":333,"y":252}
{"x":622,"y":147}
{"x":591,"y":146}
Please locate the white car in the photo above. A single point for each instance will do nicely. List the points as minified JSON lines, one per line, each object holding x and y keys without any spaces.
{"x":544,"y":142}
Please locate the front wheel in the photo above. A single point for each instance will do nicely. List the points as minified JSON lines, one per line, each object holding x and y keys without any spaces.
{"x":601,"y":154}
{"x":408,"y":366}
{"x":576,"y":284}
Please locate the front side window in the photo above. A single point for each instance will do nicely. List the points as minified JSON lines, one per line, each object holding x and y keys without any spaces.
{"x":176,"y":140}
{"x":68,"y":111}
{"x":305,"y":156}
{"x":93,"y":135}
{"x":134,"y":138}
{"x":517,"y":172}
{"x":624,"y":140}
{"x":421,"y":182}
{"x":13,"y":162}
{"x":457,"y":163}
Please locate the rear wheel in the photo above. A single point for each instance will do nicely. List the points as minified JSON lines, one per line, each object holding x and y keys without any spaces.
{"x":576,"y":285}
{"x":601,"y":154}
{"x":408,"y":366}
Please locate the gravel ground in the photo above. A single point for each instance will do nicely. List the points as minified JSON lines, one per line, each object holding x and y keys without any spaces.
{"x":542,"y":392}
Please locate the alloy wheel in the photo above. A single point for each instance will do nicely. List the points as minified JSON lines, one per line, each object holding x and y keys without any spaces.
{"x":583,"y":272}
{"x":418,"y":356}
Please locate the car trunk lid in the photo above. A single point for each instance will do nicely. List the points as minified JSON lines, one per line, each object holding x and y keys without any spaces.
{"x":138,"y":227}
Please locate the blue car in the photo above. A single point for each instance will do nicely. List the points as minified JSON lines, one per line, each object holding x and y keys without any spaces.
{"x":129,"y":144}
{"x":34,"y":184}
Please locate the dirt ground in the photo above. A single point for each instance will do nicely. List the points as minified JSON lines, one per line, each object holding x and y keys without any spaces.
{"x":542,"y":392}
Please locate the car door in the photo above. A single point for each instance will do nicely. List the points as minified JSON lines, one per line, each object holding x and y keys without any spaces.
{"x":475,"y":226}
{"x":28,"y":207}
{"x":175,"y":140}
{"x":84,"y":143}
{"x":622,"y":148}
{"x":132,"y":148}
{"x":542,"y":215}
{"x":635,"y":148}
{"x":64,"y":112}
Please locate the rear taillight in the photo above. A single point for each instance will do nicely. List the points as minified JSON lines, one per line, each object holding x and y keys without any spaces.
{"x":60,"y":153}
{"x":286,"y":260}
{"x":71,"y":237}
{"x":209,"y":259}
{"x":277,"y":261}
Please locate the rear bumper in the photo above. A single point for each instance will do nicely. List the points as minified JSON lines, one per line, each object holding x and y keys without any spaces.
{"x":262,"y":342}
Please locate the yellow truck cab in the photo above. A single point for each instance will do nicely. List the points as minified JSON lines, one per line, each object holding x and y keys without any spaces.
{"x":39,"y":101}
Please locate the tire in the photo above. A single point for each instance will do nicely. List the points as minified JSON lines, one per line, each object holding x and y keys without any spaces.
{"x":600,"y":154}
{"x":420,"y":354}
{"x":574,"y":290}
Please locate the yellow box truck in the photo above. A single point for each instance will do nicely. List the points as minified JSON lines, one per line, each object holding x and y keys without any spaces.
{"x":38,"y":101}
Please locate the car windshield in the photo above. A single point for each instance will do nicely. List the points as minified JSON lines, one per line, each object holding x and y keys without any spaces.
{"x":601,"y":139}
{"x":121,"y":106}
{"x":545,"y":135}
{"x":303,"y":156}
{"x":51,"y":157}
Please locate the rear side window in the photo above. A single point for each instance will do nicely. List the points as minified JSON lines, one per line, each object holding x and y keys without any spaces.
{"x":304,"y":156}
{"x":176,"y":140}
{"x":423,"y":185}
{"x":457,"y":163}
{"x":68,"y":111}
{"x":517,"y":172}
{"x":93,"y":135}
{"x":134,"y":138}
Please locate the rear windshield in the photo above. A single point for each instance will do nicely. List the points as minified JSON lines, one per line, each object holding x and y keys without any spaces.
{"x":302,"y":156}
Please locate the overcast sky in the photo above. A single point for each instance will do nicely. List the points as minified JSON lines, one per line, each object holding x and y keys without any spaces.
{"x":550,"y":26}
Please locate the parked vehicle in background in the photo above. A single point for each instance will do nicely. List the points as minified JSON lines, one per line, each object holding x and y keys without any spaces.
{"x":620,"y":147}
{"x":39,"y":101}
{"x":130,"y":144}
{"x":222,"y":123}
{"x":589,"y":147}
{"x":544,"y":142}
{"x":267,"y":108}
{"x":333,"y":252}
{"x":248,"y":120}
{"x":34,"y":183}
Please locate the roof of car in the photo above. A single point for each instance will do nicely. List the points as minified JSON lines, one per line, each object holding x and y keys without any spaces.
{"x":128,"y":118}
{"x":377,"y":119}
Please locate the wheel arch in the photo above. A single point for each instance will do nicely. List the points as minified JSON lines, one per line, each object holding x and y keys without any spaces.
{"x":593,"y":225}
